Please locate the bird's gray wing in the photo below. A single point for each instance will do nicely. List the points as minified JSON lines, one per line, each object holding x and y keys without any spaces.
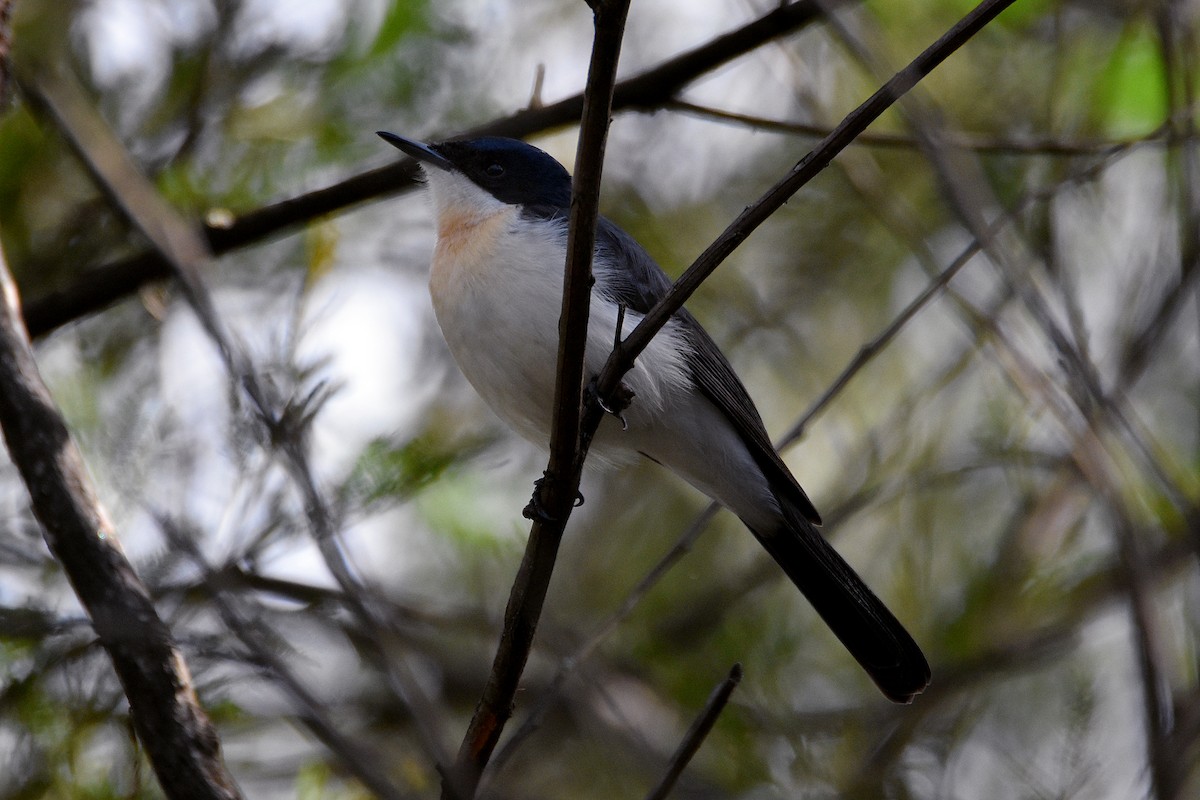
{"x":639,"y":283}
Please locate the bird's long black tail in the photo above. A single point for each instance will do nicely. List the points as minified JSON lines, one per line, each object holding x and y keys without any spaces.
{"x":865,"y":626}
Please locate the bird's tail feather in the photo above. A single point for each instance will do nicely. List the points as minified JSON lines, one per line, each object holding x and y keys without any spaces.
{"x":857,"y":617}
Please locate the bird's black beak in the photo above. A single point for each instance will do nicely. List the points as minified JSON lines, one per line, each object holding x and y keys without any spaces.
{"x":418,"y":150}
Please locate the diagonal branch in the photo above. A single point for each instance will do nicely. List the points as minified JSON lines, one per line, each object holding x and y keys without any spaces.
{"x":938,"y":284}
{"x":178,"y":737}
{"x":1027,"y":145}
{"x":623,"y":357}
{"x":109,"y":283}
{"x":554,"y":495}
{"x":625,"y":353}
{"x":1098,"y":410}
{"x":185,"y":251}
{"x":696,"y":733}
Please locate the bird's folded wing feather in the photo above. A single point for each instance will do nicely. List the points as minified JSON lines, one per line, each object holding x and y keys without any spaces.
{"x":639,"y":284}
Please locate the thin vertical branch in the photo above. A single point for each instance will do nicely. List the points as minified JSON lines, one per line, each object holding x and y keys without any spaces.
{"x":554,"y":496}
{"x":1147,"y":647}
{"x":584,"y":651}
{"x":6,"y":7}
{"x":938,"y":284}
{"x":1178,"y":57}
{"x":625,"y":354}
{"x":1102,"y":410}
{"x":1096,"y":409}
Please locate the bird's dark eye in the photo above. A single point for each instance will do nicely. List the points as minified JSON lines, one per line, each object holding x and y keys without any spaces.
{"x":494,"y":171}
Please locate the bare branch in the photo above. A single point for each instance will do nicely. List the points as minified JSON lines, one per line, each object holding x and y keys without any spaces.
{"x":967,"y":200}
{"x":6,"y":7}
{"x":1085,"y":401}
{"x":1147,"y":646}
{"x":938,"y":283}
{"x":584,"y":651}
{"x":1167,"y":764}
{"x":355,"y":757}
{"x":1046,"y":145}
{"x":554,"y":495}
{"x":854,"y":124}
{"x":178,"y":737}
{"x":185,"y":251}
{"x":696,"y":733}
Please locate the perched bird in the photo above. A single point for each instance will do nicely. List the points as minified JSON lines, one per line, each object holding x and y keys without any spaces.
{"x":496,"y":281}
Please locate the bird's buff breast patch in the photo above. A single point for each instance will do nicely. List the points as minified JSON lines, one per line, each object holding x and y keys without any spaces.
{"x":466,"y":241}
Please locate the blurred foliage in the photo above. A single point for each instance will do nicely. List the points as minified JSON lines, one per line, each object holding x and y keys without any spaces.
{"x":970,"y":471}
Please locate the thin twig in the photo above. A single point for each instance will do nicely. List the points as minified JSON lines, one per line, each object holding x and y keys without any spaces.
{"x":356,"y":758}
{"x":967,"y":197}
{"x":939,"y":283}
{"x":584,"y":651}
{"x":1098,"y":409}
{"x":696,"y":733}
{"x":1031,"y":146}
{"x":1148,"y":652}
{"x":865,"y":355}
{"x":1166,"y":764}
{"x":621,"y":360}
{"x":6,"y":7}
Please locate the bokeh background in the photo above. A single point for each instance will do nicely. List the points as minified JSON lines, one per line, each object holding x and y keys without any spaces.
{"x":1015,"y":470}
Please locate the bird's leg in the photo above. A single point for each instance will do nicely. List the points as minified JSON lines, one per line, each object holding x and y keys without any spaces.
{"x":621,"y":398}
{"x":620,"y":331}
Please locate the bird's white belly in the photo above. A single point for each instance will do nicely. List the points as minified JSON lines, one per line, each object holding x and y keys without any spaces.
{"x":499,"y":317}
{"x":498,"y":302}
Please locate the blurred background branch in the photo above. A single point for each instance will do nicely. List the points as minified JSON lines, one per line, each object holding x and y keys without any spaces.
{"x":283,"y":429}
{"x":105,"y":284}
{"x":177,"y":735}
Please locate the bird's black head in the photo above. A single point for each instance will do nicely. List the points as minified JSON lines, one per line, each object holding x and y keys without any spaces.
{"x":510,"y":170}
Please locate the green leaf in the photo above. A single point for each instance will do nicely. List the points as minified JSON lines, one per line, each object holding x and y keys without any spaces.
{"x":1132,"y":93}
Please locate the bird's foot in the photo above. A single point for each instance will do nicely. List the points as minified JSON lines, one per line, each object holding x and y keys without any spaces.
{"x":536,"y":510}
{"x":614,"y":405}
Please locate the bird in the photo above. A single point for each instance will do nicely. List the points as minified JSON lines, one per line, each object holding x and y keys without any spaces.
{"x":501,"y":210}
